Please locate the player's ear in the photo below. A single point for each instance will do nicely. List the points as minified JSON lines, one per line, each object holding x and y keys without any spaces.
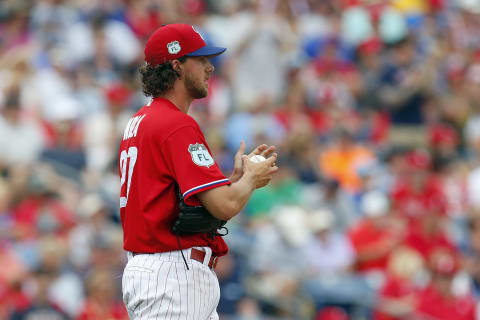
{"x":177,"y":66}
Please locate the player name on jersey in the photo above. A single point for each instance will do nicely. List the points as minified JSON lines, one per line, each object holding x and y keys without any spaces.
{"x":132,"y":127}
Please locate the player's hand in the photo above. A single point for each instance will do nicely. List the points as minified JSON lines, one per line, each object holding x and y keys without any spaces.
{"x":262,"y":149}
{"x":260,"y":172}
{"x":238,"y":164}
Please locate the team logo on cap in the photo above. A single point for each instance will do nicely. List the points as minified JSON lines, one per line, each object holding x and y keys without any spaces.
{"x":173,"y":47}
{"x":200,"y":155}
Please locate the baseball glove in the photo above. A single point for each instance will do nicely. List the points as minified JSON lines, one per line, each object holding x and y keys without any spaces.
{"x":196,"y":219}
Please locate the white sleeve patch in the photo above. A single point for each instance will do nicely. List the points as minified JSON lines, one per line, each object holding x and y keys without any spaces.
{"x":200,"y":155}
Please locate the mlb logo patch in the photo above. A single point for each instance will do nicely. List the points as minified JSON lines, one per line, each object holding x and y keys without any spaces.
{"x":173,"y":47}
{"x":200,"y":155}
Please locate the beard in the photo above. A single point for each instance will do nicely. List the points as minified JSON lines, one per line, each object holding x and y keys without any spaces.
{"x":195,"y":88}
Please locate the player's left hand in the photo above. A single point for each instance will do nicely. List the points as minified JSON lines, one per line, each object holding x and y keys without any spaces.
{"x":262,"y":149}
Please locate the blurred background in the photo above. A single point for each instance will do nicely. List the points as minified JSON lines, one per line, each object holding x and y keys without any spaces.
{"x":374,"y":106}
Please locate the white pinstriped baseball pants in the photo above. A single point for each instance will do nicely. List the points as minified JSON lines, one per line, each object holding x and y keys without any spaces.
{"x":159,"y":286}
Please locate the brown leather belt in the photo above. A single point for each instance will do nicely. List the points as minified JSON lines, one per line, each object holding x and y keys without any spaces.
{"x":197,"y":255}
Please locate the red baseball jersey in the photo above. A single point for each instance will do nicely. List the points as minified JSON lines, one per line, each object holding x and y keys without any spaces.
{"x":163,"y":148}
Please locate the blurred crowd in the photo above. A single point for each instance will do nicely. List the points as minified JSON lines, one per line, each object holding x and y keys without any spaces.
{"x":374,"y":106}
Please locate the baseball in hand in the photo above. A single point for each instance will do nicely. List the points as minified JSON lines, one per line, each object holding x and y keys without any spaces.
{"x":257,"y":158}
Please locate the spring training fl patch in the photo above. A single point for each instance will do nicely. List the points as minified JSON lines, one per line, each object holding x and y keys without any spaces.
{"x":200,"y":155}
{"x":173,"y":47}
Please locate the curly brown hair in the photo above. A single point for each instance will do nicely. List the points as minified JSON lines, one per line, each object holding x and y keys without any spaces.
{"x":159,"y":79}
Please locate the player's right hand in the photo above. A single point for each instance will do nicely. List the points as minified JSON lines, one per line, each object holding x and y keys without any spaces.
{"x":260,"y":172}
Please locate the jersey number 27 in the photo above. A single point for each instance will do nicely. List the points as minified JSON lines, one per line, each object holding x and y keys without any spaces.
{"x":127,"y":171}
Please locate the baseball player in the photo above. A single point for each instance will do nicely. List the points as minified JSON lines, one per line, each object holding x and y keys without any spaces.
{"x":174,"y":199}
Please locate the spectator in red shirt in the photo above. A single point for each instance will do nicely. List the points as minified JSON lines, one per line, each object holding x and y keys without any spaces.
{"x":417,"y":188}
{"x":332,"y":313}
{"x":437,"y":300}
{"x":41,"y":212}
{"x":41,"y":306}
{"x":428,"y":233}
{"x":12,"y":274}
{"x":142,"y":19}
{"x":397,"y":296}
{"x":293,"y":112}
{"x":443,"y":140}
{"x":101,"y":302}
{"x":376,"y":235}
